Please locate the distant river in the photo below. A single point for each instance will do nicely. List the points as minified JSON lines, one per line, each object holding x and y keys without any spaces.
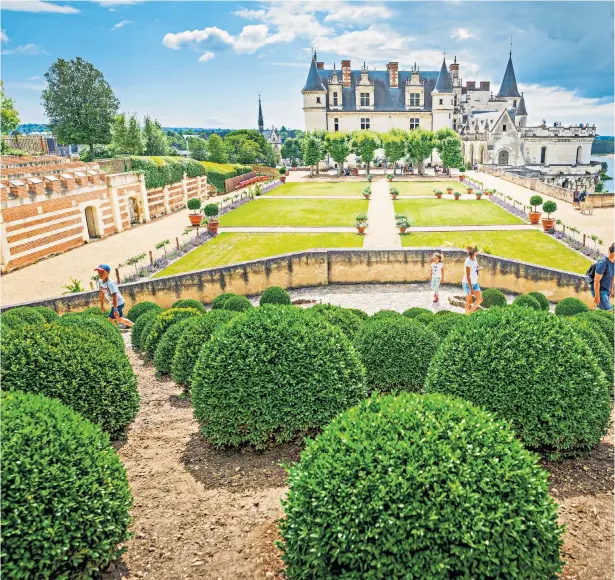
{"x":608,"y":185}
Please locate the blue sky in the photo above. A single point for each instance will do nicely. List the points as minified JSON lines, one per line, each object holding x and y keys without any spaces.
{"x":204,"y":63}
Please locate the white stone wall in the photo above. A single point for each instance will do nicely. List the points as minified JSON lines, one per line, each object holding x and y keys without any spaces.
{"x":381,"y":122}
{"x":558,"y":152}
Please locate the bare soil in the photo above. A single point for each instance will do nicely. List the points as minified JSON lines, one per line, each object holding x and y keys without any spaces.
{"x":210,"y":514}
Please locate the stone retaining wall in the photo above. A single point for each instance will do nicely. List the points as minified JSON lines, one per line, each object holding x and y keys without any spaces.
{"x":323,"y":267}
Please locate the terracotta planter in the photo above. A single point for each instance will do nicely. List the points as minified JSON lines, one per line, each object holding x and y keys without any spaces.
{"x":212,"y":226}
{"x":361,"y":229}
{"x":535,"y":217}
{"x":394,"y":196}
{"x":457,"y":196}
{"x":449,"y":190}
{"x":195,"y":219}
{"x":479,"y":195}
{"x":548,"y":224}
{"x":366,"y":196}
{"x":389,"y":180}
{"x":470,"y":189}
{"x":402,"y":230}
{"x":461,"y":178}
{"x":439,"y":195}
{"x":283,"y":178}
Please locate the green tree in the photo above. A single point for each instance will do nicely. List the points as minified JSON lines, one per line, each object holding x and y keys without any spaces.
{"x":175,"y":141}
{"x":79,"y":103}
{"x":249,"y":152}
{"x":291,"y":150}
{"x":272,"y":155}
{"x":338,"y":146}
{"x":419,"y":146}
{"x":312,"y":151}
{"x":450,"y":152}
{"x":394,"y":144}
{"x":197,"y":148}
{"x":135,"y":144}
{"x":10,"y":116}
{"x":217,"y":149}
{"x":119,"y":131}
{"x":155,"y":139}
{"x":364,"y":144}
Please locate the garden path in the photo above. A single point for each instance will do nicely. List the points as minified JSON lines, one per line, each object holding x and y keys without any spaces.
{"x":286,"y":230}
{"x":499,"y":228}
{"x":381,"y":231}
{"x":308,"y":197}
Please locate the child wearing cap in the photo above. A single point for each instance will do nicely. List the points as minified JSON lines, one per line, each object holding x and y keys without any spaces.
{"x":109,"y":290}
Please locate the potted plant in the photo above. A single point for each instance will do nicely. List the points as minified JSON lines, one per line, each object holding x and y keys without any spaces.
{"x":489,"y":192}
{"x":457,"y":195}
{"x":283,"y":174}
{"x":535,"y":201}
{"x":548,"y":223}
{"x":361,"y":223}
{"x":469,"y":189}
{"x":438,"y":193}
{"x":402,"y":223}
{"x":462,"y":170}
{"x":394,"y":192}
{"x":367,"y":192}
{"x":211,"y":211}
{"x":194,"y":204}
{"x":390,"y":176}
{"x":370,"y":177}
{"x":449,"y":190}
{"x":478,"y":194}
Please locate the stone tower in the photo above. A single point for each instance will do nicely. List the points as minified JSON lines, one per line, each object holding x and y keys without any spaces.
{"x":442,"y":100}
{"x":314,"y":99}
{"x":261,"y":124}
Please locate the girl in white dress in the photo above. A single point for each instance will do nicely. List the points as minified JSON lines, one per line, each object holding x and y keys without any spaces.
{"x":437,"y":273}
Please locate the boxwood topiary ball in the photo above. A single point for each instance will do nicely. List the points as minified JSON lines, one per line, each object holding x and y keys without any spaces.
{"x":219,"y":301}
{"x":395,"y":353}
{"x":570,"y":306}
{"x":238,"y":304}
{"x":600,"y":323}
{"x":442,"y":325}
{"x":93,"y":311}
{"x":23,"y":315}
{"x":424,"y":318}
{"x":492,"y":297}
{"x":415,"y":311}
{"x":526,"y":301}
{"x":47,"y":313}
{"x":275,"y":295}
{"x":362,"y":315}
{"x":419,"y":487}
{"x":348,"y":322}
{"x":526,"y":366}
{"x":65,"y":495}
{"x":196,"y":332}
{"x":162,"y":323}
{"x":190,"y":303}
{"x":542,"y":300}
{"x":141,"y":327}
{"x":273,"y":374}
{"x":381,"y":314}
{"x":99,"y":327}
{"x":141,"y":308}
{"x":73,"y":365}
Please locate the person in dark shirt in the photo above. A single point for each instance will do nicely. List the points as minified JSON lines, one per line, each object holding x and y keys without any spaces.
{"x":602,"y":289}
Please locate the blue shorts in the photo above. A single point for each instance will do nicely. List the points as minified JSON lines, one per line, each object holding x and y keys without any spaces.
{"x":120,"y":311}
{"x":466,"y":288}
{"x":605,"y":302}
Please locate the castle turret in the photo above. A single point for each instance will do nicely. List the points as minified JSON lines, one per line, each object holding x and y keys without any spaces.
{"x":314,"y":99}
{"x":521,"y":113}
{"x":508,"y":88}
{"x":442,"y":100}
{"x":261,"y":124}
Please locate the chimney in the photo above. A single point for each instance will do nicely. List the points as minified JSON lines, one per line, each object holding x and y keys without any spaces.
{"x":393,"y":67}
{"x":471,"y":85}
{"x":52,"y":184}
{"x":485,"y":85}
{"x":320,"y":65}
{"x":18,"y":188}
{"x":68,"y":181}
{"x":346,"y":77}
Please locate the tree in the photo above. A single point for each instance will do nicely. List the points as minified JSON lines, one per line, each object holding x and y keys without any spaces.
{"x":249,"y":152}
{"x":364,"y":144}
{"x":450,"y":152}
{"x":419,"y":146}
{"x":291,"y":149}
{"x":197,"y":148}
{"x":312,"y":150}
{"x":135,"y":144}
{"x":338,"y":146}
{"x":10,"y":116}
{"x":79,"y":103}
{"x":272,"y":155}
{"x":217,"y":149}
{"x":394,"y":144}
{"x":119,"y":131}
{"x":155,"y":139}
{"x":175,"y":141}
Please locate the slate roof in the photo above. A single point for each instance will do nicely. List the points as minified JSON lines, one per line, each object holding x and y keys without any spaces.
{"x":443,"y":84}
{"x":521,"y":110}
{"x":314,"y":81}
{"x":509,"y":82}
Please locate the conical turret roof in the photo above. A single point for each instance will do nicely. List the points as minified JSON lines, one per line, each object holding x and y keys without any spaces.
{"x":509,"y":82}
{"x":314,"y":82}
{"x":443,"y":84}
{"x":521,"y":110}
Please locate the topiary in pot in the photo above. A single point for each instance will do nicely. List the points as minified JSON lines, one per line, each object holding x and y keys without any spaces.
{"x":74,"y":366}
{"x":140,"y":308}
{"x":190,"y":303}
{"x":395,"y":353}
{"x":415,"y":311}
{"x":526,"y":366}
{"x":348,"y":322}
{"x":273,"y":374}
{"x":385,"y":314}
{"x":163,"y":322}
{"x":548,"y":223}
{"x":194,"y":204}
{"x":542,"y":300}
{"x":396,"y":487}
{"x":97,"y":326}
{"x":165,"y":351}
{"x":21,"y":316}
{"x":195,"y":334}
{"x":65,"y":495}
{"x":47,"y":313}
{"x":442,"y":325}
{"x":275,"y":295}
{"x":140,"y":329}
{"x":535,"y":201}
{"x":219,"y":301}
{"x":526,"y":301}
{"x":238,"y":304}
{"x":570,"y":306}
{"x":493,"y":298}
{"x":211,"y":211}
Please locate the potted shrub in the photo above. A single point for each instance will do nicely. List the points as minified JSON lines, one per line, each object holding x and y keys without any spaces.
{"x":367,"y":192}
{"x":361,"y":223}
{"x":457,"y":195}
{"x":211,"y":211}
{"x":469,"y":189}
{"x":449,"y":190}
{"x":478,"y":194}
{"x":402,"y":223}
{"x":438,"y":193}
{"x":394,"y":192}
{"x":489,"y":192}
{"x":370,"y":177}
{"x":535,"y":201}
{"x":194,"y":204}
{"x":462,"y":170}
{"x":390,"y":176}
{"x":548,"y":223}
{"x":283,"y":174}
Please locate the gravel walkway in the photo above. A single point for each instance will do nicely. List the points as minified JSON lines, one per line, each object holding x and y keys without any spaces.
{"x":285,"y":230}
{"x":381,"y":231}
{"x":507,"y":228}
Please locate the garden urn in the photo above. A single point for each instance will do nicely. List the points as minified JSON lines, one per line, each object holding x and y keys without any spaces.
{"x":212,"y":226}
{"x":195,"y":219}
{"x":548,"y":224}
{"x":535,"y":217}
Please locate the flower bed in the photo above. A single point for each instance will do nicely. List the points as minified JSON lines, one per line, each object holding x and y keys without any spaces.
{"x":571,"y":242}
{"x":503,"y":203}
{"x":252,"y":180}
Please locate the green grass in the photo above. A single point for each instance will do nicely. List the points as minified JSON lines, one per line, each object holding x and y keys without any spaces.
{"x":425,"y":187}
{"x":229,"y":248}
{"x":534,"y":247}
{"x":448,"y":212}
{"x":345,"y":189}
{"x":296,"y":213}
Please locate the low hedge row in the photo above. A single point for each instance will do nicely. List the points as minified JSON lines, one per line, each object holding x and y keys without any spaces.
{"x":218,"y":173}
{"x":140,"y":329}
{"x":166,"y":172}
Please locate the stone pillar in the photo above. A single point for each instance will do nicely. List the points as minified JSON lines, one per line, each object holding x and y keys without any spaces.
{"x":185,"y":189}
{"x":115,"y":207}
{"x":144,"y":201}
{"x":165,"y":193}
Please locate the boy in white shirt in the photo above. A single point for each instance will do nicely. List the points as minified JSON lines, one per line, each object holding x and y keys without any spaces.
{"x":437,"y":273}
{"x":109,"y":290}
{"x":470,"y":286}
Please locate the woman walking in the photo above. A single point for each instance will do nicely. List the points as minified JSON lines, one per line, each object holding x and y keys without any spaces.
{"x":470,"y":286}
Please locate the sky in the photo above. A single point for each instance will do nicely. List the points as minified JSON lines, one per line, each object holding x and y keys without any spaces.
{"x":203,"y":64}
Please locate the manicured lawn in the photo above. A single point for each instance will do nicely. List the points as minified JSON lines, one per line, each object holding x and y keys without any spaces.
{"x":534,"y":247}
{"x":448,"y":212}
{"x":296,"y":213}
{"x":425,"y":187}
{"x":229,"y":248}
{"x":345,"y":189}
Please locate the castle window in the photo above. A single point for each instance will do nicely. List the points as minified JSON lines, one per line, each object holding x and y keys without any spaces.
{"x":365,"y":123}
{"x":543,"y":155}
{"x":455,"y":101}
{"x":455,"y":124}
{"x":364,"y":99}
{"x":336,"y":124}
{"x":515,"y":104}
{"x":503,"y":127}
{"x":415,"y":99}
{"x":414,"y":123}
{"x":441,"y":101}
{"x":335,"y":99}
{"x":318,"y":100}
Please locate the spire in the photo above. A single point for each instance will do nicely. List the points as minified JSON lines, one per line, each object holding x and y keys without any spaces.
{"x":443,"y":84}
{"x":521,"y":110}
{"x":313,"y":82}
{"x":261,"y":124}
{"x":509,"y":82}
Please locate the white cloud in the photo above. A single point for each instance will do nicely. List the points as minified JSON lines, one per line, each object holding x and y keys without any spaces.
{"x":462,"y":34}
{"x":347,"y":13}
{"x":120,"y":24}
{"x":206,"y":56}
{"x":107,"y":3}
{"x":36,"y":78}
{"x":3,"y":36}
{"x":249,"y":40}
{"x":36,"y":6}
{"x":29,"y":49}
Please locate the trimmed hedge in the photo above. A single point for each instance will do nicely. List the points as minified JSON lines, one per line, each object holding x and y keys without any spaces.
{"x":141,"y":308}
{"x":273,"y":374}
{"x":97,"y":326}
{"x":388,"y":314}
{"x":23,"y":315}
{"x":195,"y":334}
{"x":492,"y":297}
{"x":348,"y":322}
{"x":219,"y":301}
{"x":542,"y":300}
{"x":424,"y":318}
{"x":415,"y":311}
{"x":65,"y":494}
{"x":600,"y":323}
{"x":526,"y":301}
{"x":94,"y":311}
{"x":48,"y":314}
{"x":71,"y":364}
{"x":362,"y":315}
{"x":161,"y":324}
{"x":570,"y":306}
{"x":165,"y":351}
{"x":442,"y":325}
{"x":275,"y":295}
{"x":445,"y":312}
{"x":140,"y":329}
{"x":419,"y":487}
{"x":238,"y":304}
{"x":526,"y":366}
{"x":395,"y":353}
{"x":218,"y":173}
{"x":160,"y":172}
{"x":190,"y":303}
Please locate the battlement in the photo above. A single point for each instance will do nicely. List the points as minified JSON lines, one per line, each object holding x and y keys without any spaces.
{"x":559,"y":131}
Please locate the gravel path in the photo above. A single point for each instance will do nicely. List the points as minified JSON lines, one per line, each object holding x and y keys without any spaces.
{"x":381,"y":231}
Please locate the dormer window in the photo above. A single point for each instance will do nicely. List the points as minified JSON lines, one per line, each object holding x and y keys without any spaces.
{"x":415,"y":99}
{"x":335,"y":99}
{"x":364,"y":99}
{"x":515,"y":104}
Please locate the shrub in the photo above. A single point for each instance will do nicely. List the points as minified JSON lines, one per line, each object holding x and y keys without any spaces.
{"x":493,"y":298}
{"x":549,"y":207}
{"x":190,"y":303}
{"x":165,"y":351}
{"x":570,"y":306}
{"x":526,"y":301}
{"x":415,"y":311}
{"x":535,"y":201}
{"x":442,"y":325}
{"x":211,"y":210}
{"x":396,"y":487}
{"x":543,"y":301}
{"x":362,"y":315}
{"x":526,"y":366}
{"x":445,"y":312}
{"x":141,"y":327}
{"x":600,"y":323}
{"x":273,"y":374}
{"x":95,"y":325}
{"x":194,"y":204}
{"x":23,"y":315}
{"x":218,"y":173}
{"x":395,"y":353}
{"x":237,"y":304}
{"x":71,"y":364}
{"x":385,"y":314}
{"x":94,"y":311}
{"x":47,"y":313}
{"x":424,"y":318}
{"x":196,"y":332}
{"x":65,"y":495}
{"x":275,"y":295}
{"x":219,"y":301}
{"x":348,"y":322}
{"x":162,"y":323}
{"x":141,"y":308}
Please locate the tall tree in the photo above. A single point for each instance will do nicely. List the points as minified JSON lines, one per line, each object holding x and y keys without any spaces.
{"x":450,"y":152}
{"x":249,"y":152}
{"x":135,"y":144}
{"x":197,"y":148}
{"x":217,"y":149}
{"x":291,"y":150}
{"x":338,"y":146}
{"x":10,"y":116}
{"x":419,"y":146}
{"x":119,"y":131}
{"x":272,"y":155}
{"x":312,"y":151}
{"x":364,"y":144}
{"x":155,"y":139}
{"x":394,"y":144}
{"x":79,"y":103}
